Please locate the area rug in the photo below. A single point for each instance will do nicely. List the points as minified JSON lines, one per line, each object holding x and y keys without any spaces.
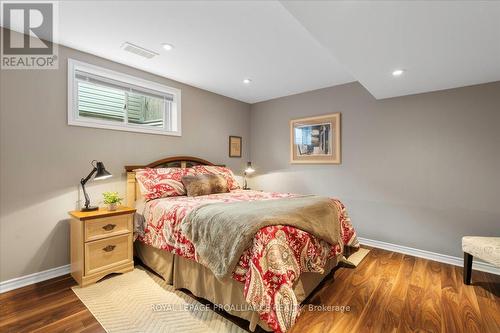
{"x":139,"y":301}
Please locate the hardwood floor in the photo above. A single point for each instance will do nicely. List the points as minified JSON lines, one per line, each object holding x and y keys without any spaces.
{"x":392,"y":292}
{"x":387,"y":292}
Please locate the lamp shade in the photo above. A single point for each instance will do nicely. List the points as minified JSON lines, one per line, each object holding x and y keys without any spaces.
{"x":101,"y":172}
{"x":249,"y":168}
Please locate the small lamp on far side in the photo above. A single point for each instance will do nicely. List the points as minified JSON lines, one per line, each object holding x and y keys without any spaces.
{"x":248,"y":171}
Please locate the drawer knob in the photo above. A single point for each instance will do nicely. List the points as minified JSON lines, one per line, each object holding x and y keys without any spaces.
{"x":109,"y":248}
{"x":109,"y":227}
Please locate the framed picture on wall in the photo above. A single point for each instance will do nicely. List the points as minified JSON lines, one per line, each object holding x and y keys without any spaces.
{"x":234,"y":146}
{"x":315,"y":140}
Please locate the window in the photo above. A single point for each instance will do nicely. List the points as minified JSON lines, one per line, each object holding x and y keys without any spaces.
{"x":102,"y":98}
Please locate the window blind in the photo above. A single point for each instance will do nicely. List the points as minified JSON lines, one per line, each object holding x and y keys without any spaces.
{"x":111,"y":100}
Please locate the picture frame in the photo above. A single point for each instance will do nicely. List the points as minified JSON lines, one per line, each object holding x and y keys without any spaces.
{"x":316,"y":140}
{"x":235,"y":143}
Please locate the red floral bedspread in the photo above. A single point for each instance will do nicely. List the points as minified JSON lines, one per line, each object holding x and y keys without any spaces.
{"x":277,"y":257}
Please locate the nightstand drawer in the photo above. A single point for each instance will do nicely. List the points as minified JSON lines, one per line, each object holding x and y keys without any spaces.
{"x":108,"y":226}
{"x":108,"y":252}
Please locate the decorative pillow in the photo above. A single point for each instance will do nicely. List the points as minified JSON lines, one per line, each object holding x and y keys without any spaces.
{"x":161,"y":182}
{"x":232,"y":184}
{"x":204,"y":184}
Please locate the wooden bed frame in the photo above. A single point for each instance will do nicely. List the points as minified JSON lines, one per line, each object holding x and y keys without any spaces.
{"x":180,"y":274}
{"x":169,"y":162}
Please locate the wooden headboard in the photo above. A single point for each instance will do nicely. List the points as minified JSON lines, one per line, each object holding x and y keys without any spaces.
{"x":170,"y":162}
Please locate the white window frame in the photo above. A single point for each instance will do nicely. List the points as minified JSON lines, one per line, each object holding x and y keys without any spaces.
{"x":73,"y":113}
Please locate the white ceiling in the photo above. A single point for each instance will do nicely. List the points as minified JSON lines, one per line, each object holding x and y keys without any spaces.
{"x":217,"y":44}
{"x":440,"y":44}
{"x":289,"y":47}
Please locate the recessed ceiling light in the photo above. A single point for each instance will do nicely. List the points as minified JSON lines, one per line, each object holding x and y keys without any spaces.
{"x":247,"y":81}
{"x":398,"y":72}
{"x":167,"y":46}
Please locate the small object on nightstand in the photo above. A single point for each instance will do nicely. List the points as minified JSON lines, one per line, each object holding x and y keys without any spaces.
{"x":101,"y":243}
{"x":112,"y":199}
{"x":100,"y":173}
{"x":248,"y":171}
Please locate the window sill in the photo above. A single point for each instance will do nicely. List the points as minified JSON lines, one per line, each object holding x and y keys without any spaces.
{"x":80,"y":123}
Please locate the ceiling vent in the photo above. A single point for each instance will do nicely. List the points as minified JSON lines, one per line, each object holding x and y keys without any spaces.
{"x":140,"y":51}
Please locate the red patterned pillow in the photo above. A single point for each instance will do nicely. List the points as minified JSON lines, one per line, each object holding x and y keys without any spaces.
{"x":232,"y":184}
{"x":161,"y":182}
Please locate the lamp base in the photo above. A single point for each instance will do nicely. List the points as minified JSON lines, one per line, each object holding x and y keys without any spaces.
{"x":89,"y":209}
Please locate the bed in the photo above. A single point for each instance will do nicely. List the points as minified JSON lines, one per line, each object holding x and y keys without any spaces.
{"x":270,"y":279}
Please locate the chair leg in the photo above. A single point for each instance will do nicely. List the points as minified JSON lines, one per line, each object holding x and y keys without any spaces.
{"x":467,"y":267}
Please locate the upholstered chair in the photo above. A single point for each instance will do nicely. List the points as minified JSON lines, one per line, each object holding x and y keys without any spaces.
{"x":484,"y":248}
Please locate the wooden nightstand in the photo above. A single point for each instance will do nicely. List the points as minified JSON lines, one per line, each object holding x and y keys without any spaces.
{"x":101,"y":243}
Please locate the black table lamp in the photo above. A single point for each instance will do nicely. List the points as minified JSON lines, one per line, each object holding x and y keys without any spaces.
{"x":100,"y":173}
{"x":248,"y":171}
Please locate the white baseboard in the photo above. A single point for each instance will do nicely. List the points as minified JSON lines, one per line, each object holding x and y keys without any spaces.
{"x":33,"y":278}
{"x":477,"y":265}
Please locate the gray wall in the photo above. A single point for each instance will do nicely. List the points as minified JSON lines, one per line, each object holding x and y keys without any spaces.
{"x":420,"y":171}
{"x":43,"y":159}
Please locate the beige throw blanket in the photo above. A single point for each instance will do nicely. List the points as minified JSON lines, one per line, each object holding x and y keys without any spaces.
{"x":221,"y":232}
